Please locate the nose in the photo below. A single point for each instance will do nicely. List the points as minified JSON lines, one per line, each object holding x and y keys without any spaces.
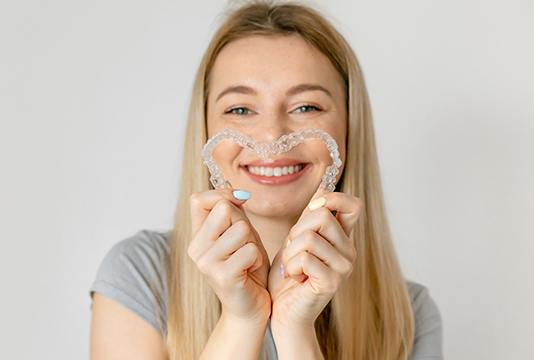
{"x":271,"y":128}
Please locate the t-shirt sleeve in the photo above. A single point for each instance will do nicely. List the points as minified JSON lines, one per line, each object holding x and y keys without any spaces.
{"x":428,"y":326}
{"x":132,"y":273}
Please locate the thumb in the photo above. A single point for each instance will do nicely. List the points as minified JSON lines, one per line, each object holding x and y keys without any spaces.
{"x":320,"y":192}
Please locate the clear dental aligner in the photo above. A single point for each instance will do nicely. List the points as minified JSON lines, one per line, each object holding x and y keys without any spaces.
{"x":266,"y":149}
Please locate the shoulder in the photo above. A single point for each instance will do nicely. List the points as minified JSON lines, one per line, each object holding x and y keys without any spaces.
{"x":133,"y":273}
{"x":142,"y":246}
{"x":428,"y":323}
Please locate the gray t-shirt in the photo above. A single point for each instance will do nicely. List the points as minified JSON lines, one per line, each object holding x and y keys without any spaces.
{"x":133,"y":274}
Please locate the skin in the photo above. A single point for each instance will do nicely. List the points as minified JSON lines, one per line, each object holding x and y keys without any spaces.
{"x":242,"y":262}
{"x":320,"y":254}
{"x":271,"y":65}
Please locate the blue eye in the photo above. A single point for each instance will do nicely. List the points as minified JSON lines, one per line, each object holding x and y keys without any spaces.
{"x":241,"y":111}
{"x":231,"y":111}
{"x":308,"y":106}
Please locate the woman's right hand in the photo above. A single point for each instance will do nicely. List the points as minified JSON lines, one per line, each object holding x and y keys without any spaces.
{"x":229,"y":252}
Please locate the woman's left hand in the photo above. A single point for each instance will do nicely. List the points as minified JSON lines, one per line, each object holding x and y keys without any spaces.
{"x":318,"y":255}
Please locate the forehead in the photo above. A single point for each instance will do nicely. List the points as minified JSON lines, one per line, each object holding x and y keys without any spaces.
{"x":272,"y":63}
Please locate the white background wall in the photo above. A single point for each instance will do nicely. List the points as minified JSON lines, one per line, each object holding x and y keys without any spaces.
{"x":93,"y":99}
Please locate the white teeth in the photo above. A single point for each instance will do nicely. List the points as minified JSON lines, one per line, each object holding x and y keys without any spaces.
{"x":276,"y":171}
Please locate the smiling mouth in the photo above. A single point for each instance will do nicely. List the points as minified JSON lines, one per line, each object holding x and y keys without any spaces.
{"x":276,"y":175}
{"x":277,"y":171}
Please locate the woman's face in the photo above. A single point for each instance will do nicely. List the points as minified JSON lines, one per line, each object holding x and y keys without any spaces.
{"x":253,"y":89}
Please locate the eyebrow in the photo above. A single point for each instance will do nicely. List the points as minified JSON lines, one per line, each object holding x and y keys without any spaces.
{"x":242,"y":89}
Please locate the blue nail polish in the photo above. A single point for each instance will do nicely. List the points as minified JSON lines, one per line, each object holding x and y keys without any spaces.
{"x":241,"y":194}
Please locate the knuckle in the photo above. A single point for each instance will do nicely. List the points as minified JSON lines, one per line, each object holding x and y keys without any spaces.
{"x":323,"y":212}
{"x":309,"y":239}
{"x":347,"y":267}
{"x":194,"y":198}
{"x":224,"y":207}
{"x":243,"y":227}
{"x":305,"y":257}
{"x":291,"y":234}
{"x":203,"y":265}
{"x":251,"y":248}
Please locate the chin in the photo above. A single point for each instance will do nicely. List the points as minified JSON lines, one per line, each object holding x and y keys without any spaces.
{"x":270,"y":208}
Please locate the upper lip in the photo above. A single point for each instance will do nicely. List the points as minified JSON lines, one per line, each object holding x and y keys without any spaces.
{"x":274,"y":163}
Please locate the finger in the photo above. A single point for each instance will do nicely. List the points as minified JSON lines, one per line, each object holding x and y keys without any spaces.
{"x":324,"y":223}
{"x":220,"y":218}
{"x":315,"y":244}
{"x":347,"y":207}
{"x":323,"y":280}
{"x":319,"y":192}
{"x":201,"y":203}
{"x":246,"y":258}
{"x":230,"y":241}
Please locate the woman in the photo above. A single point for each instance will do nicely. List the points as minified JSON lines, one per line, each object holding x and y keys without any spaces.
{"x":264,"y":274}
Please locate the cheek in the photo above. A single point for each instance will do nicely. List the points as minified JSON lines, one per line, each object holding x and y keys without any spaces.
{"x":225,"y":154}
{"x":338,"y":134}
{"x":316,"y":151}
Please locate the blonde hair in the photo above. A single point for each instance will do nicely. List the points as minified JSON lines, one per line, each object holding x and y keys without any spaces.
{"x":370,"y":316}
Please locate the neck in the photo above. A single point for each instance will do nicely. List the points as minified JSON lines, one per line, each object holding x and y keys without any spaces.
{"x":272,"y":231}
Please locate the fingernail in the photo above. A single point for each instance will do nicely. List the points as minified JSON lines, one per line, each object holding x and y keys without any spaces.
{"x":241,"y":194}
{"x":317,"y":203}
{"x":282,"y":270}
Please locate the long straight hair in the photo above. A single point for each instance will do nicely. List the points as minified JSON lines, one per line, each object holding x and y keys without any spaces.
{"x":370,"y":317}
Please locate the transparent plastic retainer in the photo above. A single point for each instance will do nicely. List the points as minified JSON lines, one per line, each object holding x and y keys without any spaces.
{"x":266,"y":149}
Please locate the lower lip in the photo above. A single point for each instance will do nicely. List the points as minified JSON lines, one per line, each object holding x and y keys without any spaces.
{"x":277,"y":180}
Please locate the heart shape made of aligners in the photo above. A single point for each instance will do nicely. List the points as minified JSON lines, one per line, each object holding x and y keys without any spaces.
{"x":283,"y":144}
